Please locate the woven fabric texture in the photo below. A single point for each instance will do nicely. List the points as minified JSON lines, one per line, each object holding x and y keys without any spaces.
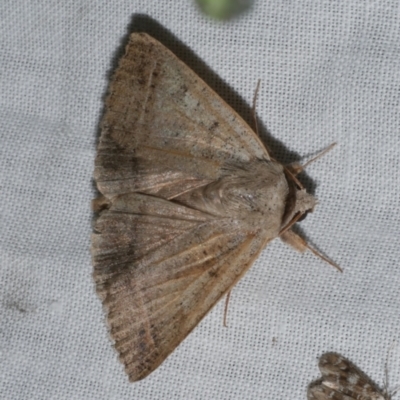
{"x":330,"y":72}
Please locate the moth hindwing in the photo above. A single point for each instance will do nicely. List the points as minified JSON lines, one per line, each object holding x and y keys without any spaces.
{"x":342,"y":380}
{"x":189,"y":198}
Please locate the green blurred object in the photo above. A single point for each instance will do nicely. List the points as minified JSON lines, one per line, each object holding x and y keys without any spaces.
{"x":224,"y":9}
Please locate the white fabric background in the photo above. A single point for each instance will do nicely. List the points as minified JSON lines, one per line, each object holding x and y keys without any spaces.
{"x":330,"y":71}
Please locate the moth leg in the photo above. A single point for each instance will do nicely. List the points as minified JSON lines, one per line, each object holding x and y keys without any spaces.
{"x":228,"y":296}
{"x":253,"y":111}
{"x":298,"y":243}
{"x":295,"y":168}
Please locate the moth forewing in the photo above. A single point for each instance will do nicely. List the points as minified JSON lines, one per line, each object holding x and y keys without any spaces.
{"x":189,"y":198}
{"x":342,"y":380}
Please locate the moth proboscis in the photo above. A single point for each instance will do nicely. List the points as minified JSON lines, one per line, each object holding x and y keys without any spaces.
{"x":342,"y":380}
{"x":189,"y":198}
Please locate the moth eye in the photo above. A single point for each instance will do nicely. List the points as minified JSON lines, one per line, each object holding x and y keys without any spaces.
{"x":303,"y":216}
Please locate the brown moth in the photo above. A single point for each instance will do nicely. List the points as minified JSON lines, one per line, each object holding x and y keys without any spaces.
{"x":341,"y":380}
{"x":190,"y":196}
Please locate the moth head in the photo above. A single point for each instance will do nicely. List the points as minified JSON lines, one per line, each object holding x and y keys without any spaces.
{"x":305,"y":202}
{"x":298,"y":203}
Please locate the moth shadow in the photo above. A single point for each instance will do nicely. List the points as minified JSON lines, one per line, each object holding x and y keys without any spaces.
{"x":144,"y":23}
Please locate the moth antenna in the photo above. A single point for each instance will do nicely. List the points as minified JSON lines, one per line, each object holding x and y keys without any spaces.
{"x":296,"y":168}
{"x":292,"y":175}
{"x":322,"y":257}
{"x":297,"y":242}
{"x":394,"y":392}
{"x":253,"y":110}
{"x":328,"y":149}
{"x":386,"y":379}
{"x":228,"y":296}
